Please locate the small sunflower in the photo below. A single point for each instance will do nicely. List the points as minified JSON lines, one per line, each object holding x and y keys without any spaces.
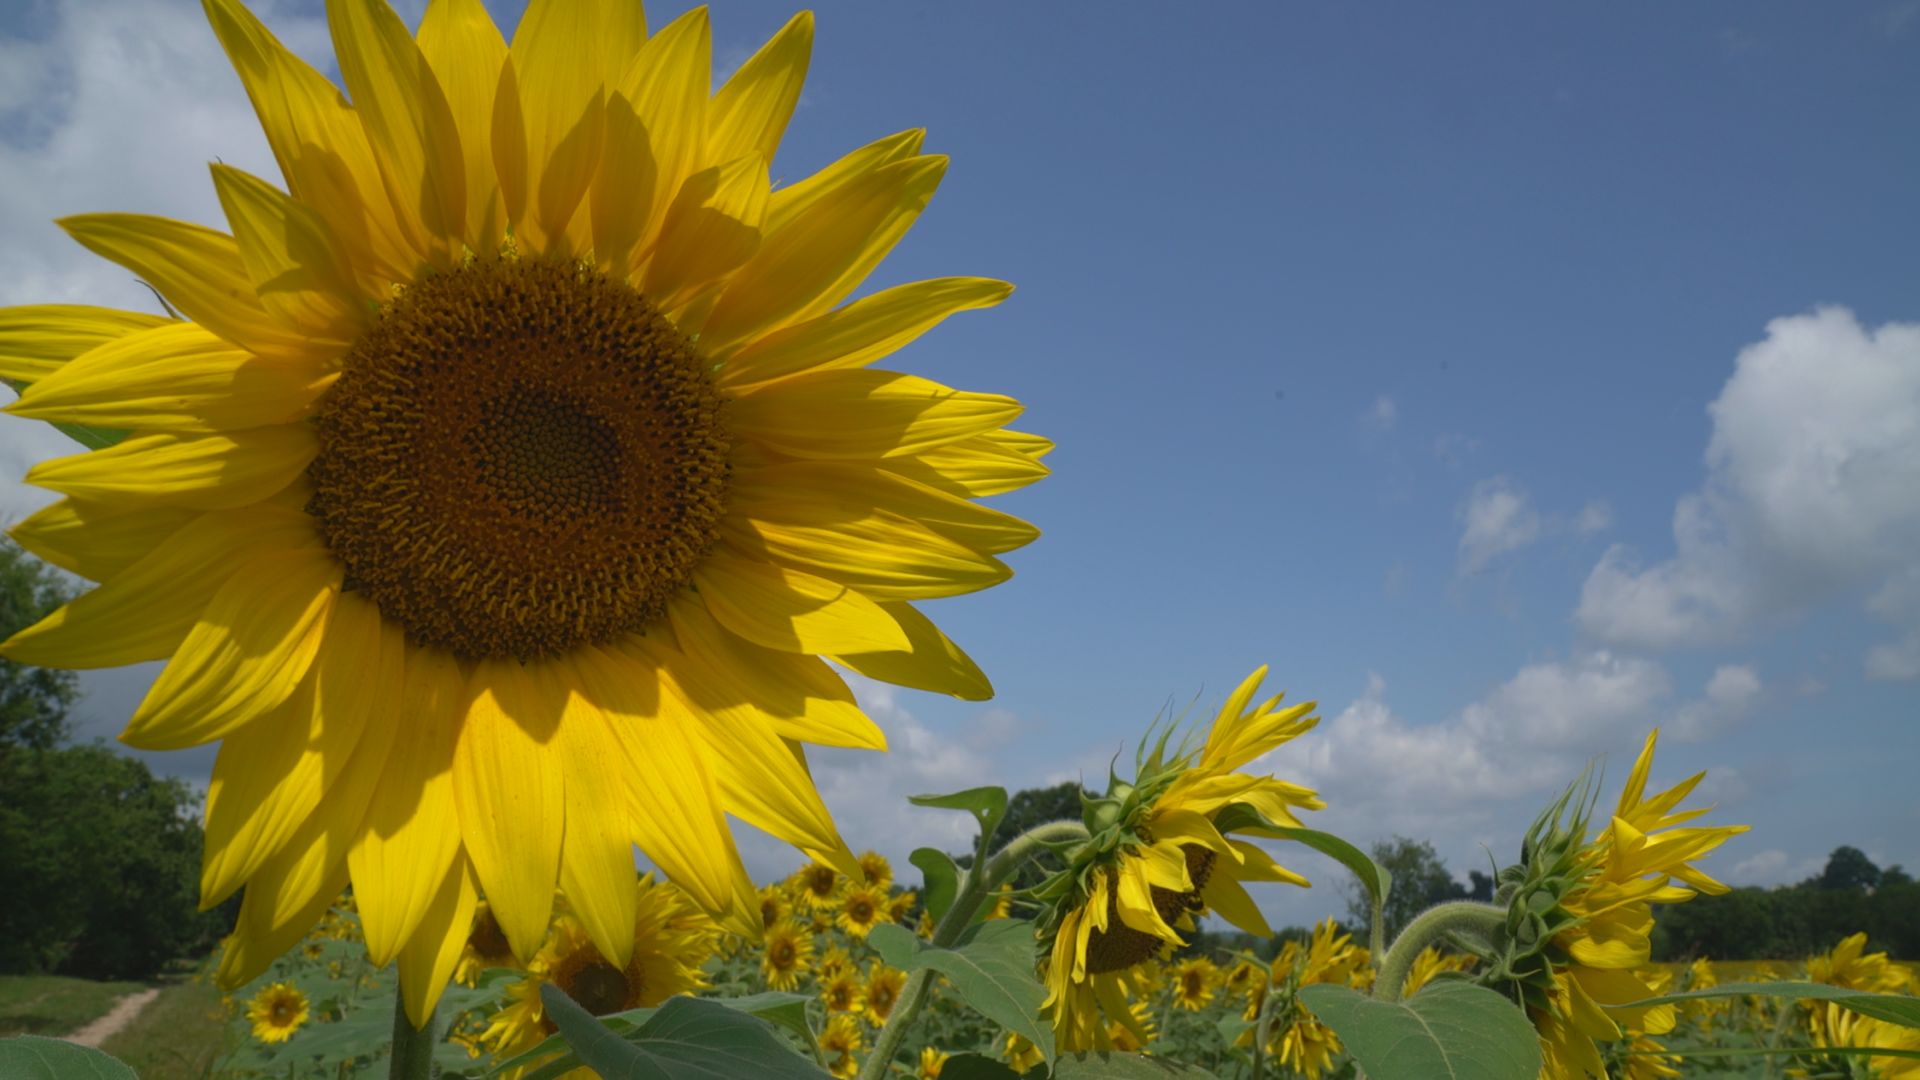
{"x":1297,"y":1039}
{"x":1194,"y":981}
{"x":876,"y":870}
{"x":1002,"y":905}
{"x":1245,"y":977}
{"x":1133,"y":1034}
{"x":277,"y":1012}
{"x":900,"y":906}
{"x":775,"y":906}
{"x":1850,"y":966}
{"x":508,"y":479}
{"x":1160,"y":854}
{"x":931,"y":1062}
{"x":882,"y":992}
{"x":1430,"y":963}
{"x":673,"y":938}
{"x":817,"y":884}
{"x":842,"y":991}
{"x":1704,"y":1011}
{"x":785,"y":954}
{"x":486,"y":947}
{"x":840,"y":1041}
{"x":862,"y":907}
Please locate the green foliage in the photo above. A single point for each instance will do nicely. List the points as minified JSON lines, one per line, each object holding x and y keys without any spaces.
{"x":1448,"y":1029}
{"x":54,"y":1004}
{"x":33,"y":701}
{"x":685,"y":1039}
{"x":1420,"y":880}
{"x":32,"y":1057}
{"x":1899,"y":1009}
{"x":991,"y":969}
{"x":1849,"y":869}
{"x":1790,"y":922}
{"x":103,"y":863}
{"x":1027,"y":809}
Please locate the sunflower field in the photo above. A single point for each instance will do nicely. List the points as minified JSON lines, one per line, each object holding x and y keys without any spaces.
{"x":506,"y":495}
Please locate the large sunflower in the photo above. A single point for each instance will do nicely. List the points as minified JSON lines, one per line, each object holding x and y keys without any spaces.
{"x":503,"y":481}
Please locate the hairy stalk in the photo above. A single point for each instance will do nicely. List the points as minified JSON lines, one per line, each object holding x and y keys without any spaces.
{"x":979,"y":885}
{"x":412,"y":1047}
{"x":1433,"y":924}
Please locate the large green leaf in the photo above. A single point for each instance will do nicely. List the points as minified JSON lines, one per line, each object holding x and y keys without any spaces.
{"x":987,"y":805}
{"x":35,"y":1057}
{"x":940,"y":879}
{"x":1893,"y":1008}
{"x":786,"y":1010}
{"x":685,"y":1039}
{"x":1448,"y":1031}
{"x":991,"y":968}
{"x":1103,"y":1066}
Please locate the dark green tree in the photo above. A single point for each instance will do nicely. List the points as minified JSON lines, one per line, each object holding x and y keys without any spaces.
{"x":1849,"y":869}
{"x":33,"y":701}
{"x":1894,"y":876}
{"x":1420,"y":880}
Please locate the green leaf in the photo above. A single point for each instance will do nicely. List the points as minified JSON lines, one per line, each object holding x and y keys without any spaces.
{"x":975,"y":1067}
{"x":940,"y":879}
{"x":686,"y":1039}
{"x":991,"y":969}
{"x":1099,"y":1066}
{"x":1893,"y":1008}
{"x":785,"y":1010}
{"x":1240,"y":816}
{"x":1449,"y":1029}
{"x":35,"y":1057}
{"x":987,"y":805}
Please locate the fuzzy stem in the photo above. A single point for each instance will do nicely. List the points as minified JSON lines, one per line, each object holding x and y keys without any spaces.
{"x":412,"y":1047}
{"x":1429,"y":928}
{"x":973,"y":894}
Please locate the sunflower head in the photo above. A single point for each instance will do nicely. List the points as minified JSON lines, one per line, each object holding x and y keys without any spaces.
{"x":862,"y":907}
{"x":817,"y":884}
{"x":486,"y":947}
{"x":900,"y":906}
{"x":840,"y":1040}
{"x":775,"y":905}
{"x":786,"y":954}
{"x":842,"y":991}
{"x":882,"y":992}
{"x":1194,"y":982}
{"x":876,"y":870}
{"x":1161,"y":850}
{"x":277,"y":1012}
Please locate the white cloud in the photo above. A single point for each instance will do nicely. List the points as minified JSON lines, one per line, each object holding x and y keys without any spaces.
{"x":1774,"y":867}
{"x":1898,"y":602}
{"x":1730,"y":696}
{"x":1495,"y":519}
{"x":1594,"y":517}
{"x":1383,"y":414}
{"x":1812,"y":492}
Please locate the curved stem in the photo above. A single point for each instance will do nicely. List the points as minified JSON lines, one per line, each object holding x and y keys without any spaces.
{"x":1431,"y":925}
{"x":979,"y":885}
{"x":412,"y":1047}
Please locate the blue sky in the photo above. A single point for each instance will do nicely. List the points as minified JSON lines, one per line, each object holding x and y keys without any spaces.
{"x":1382,"y":344}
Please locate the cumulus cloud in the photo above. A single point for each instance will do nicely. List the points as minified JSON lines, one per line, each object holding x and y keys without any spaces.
{"x":1812,"y":493}
{"x":1382,"y":415}
{"x":1596,"y":516}
{"x":1774,"y":867}
{"x":1730,"y":696}
{"x":1495,"y":519}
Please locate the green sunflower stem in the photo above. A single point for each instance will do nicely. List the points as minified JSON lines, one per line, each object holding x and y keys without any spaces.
{"x":973,"y":895}
{"x":1432,"y":926}
{"x":412,"y":1047}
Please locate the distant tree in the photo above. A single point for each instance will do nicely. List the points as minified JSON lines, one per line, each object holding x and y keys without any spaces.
{"x":33,"y":701}
{"x":1025,"y":809}
{"x":1420,"y":880}
{"x":1482,"y":887}
{"x":1849,"y":869}
{"x":1894,"y":877}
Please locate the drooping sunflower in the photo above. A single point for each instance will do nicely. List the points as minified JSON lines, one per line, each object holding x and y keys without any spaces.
{"x":504,"y":480}
{"x":1849,"y":965}
{"x":862,"y":907}
{"x":1584,"y":902}
{"x":277,"y":1012}
{"x":1296,"y":1038}
{"x":785,"y":954}
{"x":882,"y":992}
{"x":672,"y":938}
{"x":1194,"y":982}
{"x":1161,"y":852}
{"x":1640,"y":1056}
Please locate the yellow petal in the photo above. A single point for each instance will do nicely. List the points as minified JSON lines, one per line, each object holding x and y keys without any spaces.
{"x":861,"y":332}
{"x":283,"y":902}
{"x":35,"y":340}
{"x":816,"y":260}
{"x":793,"y":200}
{"x":1228,"y":900}
{"x":971,"y":468}
{"x":851,"y":488}
{"x":290,"y":259}
{"x":674,"y":802}
{"x":564,"y":53}
{"x":864,"y":414}
{"x":883,"y":554}
{"x":712,"y":227}
{"x":408,"y":122}
{"x":793,"y":611}
{"x":656,"y":130}
{"x":319,"y":142}
{"x":428,"y":958}
{"x":799,"y":696}
{"x":270,"y":777}
{"x":1134,"y":902}
{"x":466,"y":52}
{"x":175,"y":378}
{"x":144,"y":612}
{"x":750,"y":112}
{"x":1032,"y":446}
{"x":246,"y":654}
{"x":508,"y":786}
{"x":931,"y":662}
{"x":412,"y":829}
{"x":98,"y":539}
{"x":208,"y":472}
{"x":596,"y":861}
{"x":764,"y":781}
{"x":198,"y":270}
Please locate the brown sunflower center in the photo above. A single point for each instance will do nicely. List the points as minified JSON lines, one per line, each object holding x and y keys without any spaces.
{"x":487,"y":940}
{"x":1120,"y":946}
{"x":860,"y":911}
{"x":598,"y":987}
{"x":783,"y":954}
{"x":521,"y":456}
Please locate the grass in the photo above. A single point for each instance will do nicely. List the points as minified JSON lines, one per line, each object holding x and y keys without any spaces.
{"x":177,"y":1037}
{"x":55,"y":1004}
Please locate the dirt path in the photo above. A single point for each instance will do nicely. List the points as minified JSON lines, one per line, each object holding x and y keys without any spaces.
{"x":116,"y":1020}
